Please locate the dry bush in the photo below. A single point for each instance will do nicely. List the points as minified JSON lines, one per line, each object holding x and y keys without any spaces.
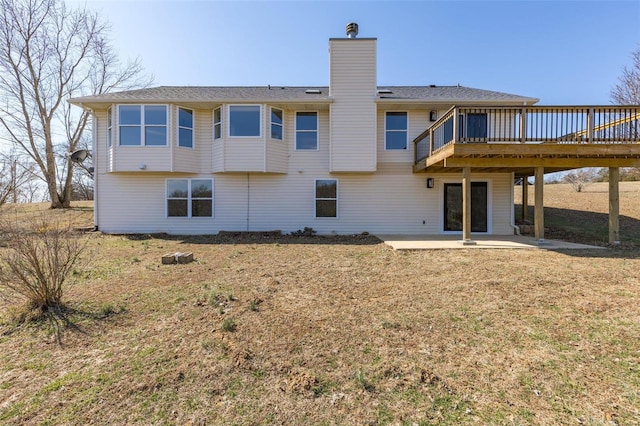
{"x":37,"y":261}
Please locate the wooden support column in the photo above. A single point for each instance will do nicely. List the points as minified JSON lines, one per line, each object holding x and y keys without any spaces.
{"x":539,"y":205}
{"x":614,"y":206}
{"x":466,"y":206}
{"x":525,"y":199}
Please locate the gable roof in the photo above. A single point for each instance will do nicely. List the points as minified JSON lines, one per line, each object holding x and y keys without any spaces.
{"x":259,"y":94}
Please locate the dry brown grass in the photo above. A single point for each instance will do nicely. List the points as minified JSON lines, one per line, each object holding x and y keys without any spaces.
{"x":583,"y":216}
{"x":332,"y":331}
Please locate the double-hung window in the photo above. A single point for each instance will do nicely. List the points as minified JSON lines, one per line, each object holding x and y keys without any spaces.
{"x":326,"y":191}
{"x":217,"y":123}
{"x":190,"y":197}
{"x":185,"y":127}
{"x":276,"y":123}
{"x":396,"y":126}
{"x":109,"y":126}
{"x":244,"y":121}
{"x":142,"y":125}
{"x":306,"y":130}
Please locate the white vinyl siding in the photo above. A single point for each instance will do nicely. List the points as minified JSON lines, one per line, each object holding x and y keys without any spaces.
{"x":367,"y":202}
{"x":353,"y":111}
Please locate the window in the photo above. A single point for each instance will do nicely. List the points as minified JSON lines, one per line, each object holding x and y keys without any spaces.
{"x":396,"y":125}
{"x":476,"y":125}
{"x":326,"y":198}
{"x":217,"y":123}
{"x":276,"y":123}
{"x":185,"y":127}
{"x":109,"y":125}
{"x":189,"y":197}
{"x":306,"y":130}
{"x":244,"y":121}
{"x":142,"y":125}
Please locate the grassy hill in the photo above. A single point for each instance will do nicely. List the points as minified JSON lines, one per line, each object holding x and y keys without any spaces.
{"x":583,"y":216}
{"x":266,"y":330}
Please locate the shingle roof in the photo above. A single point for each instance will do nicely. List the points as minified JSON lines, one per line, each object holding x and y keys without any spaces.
{"x":293,"y":94}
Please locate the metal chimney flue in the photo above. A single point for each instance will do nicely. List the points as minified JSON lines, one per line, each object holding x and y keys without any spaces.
{"x":352,"y":30}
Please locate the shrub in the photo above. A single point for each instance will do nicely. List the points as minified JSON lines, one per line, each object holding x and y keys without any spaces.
{"x":306,"y":232}
{"x":38,"y":261}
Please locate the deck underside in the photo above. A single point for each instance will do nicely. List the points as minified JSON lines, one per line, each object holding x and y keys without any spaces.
{"x":522,"y":159}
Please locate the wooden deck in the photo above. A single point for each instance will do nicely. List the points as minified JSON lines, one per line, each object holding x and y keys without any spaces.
{"x":519,"y":140}
{"x":531,"y":141}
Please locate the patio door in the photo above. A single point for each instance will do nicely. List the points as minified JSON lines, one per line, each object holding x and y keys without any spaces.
{"x":453,"y":207}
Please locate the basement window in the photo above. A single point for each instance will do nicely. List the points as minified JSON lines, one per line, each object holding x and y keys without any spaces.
{"x":189,"y":197}
{"x":326,"y":198}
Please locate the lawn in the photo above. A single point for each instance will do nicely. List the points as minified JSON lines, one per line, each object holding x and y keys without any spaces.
{"x":331,"y":331}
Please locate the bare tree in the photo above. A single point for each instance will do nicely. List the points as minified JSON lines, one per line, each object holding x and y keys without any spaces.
{"x":580,"y":179}
{"x":14,"y":176}
{"x":49,"y":53}
{"x":627,"y":91}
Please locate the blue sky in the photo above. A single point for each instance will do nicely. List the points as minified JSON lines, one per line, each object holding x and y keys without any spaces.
{"x":563,"y":52}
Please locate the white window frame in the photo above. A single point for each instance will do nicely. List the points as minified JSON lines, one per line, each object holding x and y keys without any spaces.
{"x":406,"y":131}
{"x":192,"y":128}
{"x":281,"y":125}
{"x":109,"y":127}
{"x":317,"y":131}
{"x":142,"y":126}
{"x":217,"y":123}
{"x":189,"y":199}
{"x":260,"y":130}
{"x":316,"y":199}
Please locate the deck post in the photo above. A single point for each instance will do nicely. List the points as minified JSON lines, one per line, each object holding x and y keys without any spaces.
{"x":525,"y":198}
{"x":539,"y":205}
{"x":614,"y":206}
{"x":466,"y":206}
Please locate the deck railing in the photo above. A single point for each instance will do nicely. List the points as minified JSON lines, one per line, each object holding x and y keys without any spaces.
{"x":531,"y":124}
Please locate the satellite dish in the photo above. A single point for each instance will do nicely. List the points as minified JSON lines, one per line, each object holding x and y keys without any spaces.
{"x":80,"y":155}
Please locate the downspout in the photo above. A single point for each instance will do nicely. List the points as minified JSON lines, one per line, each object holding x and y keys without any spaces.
{"x":515,"y":227}
{"x":248,"y":199}
{"x":94,"y":150}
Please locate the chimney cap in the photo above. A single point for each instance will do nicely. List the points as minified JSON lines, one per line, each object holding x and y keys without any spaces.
{"x":352,"y":30}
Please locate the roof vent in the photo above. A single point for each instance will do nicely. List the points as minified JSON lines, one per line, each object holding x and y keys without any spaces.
{"x":352,"y":30}
{"x":313,"y":91}
{"x":384,"y":92}
{"x":432,"y":85}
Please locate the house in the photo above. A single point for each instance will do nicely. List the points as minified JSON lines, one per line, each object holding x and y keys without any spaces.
{"x":343,"y":159}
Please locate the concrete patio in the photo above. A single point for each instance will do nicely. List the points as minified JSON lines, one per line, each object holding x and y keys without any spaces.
{"x":435,"y":242}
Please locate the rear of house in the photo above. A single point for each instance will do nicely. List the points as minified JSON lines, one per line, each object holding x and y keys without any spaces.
{"x":339,"y":159}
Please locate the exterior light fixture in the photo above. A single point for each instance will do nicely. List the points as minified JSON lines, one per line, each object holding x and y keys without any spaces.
{"x":433,"y":115}
{"x":430,"y":182}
